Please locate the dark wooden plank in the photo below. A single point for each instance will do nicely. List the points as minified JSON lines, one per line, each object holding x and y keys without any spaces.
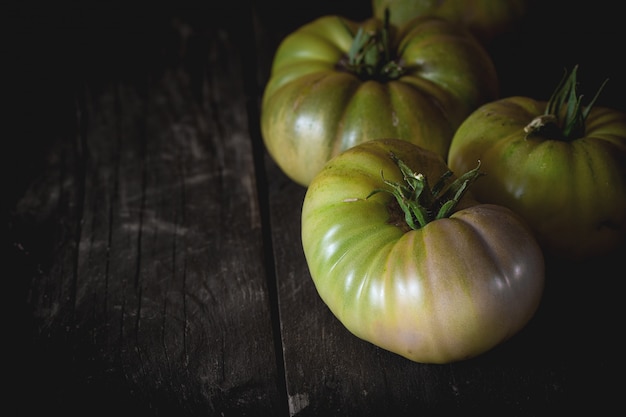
{"x":148,"y":293}
{"x":559,"y":363}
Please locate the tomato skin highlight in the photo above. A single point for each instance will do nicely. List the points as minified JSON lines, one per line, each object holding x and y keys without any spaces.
{"x":313,"y":107}
{"x":572,"y":193}
{"x":448,"y":291}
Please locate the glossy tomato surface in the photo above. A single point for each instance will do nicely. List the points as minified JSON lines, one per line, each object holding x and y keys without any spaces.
{"x":315,"y":105}
{"x":445,"y":292}
{"x":571,"y":192}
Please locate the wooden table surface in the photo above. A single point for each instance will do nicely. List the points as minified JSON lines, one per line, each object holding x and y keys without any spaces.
{"x":155,"y":247}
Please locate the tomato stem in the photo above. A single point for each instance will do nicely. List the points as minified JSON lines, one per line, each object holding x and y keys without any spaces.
{"x":370,"y":56}
{"x":422,"y":204}
{"x":565,"y":115}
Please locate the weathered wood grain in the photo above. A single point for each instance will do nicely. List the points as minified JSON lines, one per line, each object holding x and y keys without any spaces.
{"x":154,"y":293}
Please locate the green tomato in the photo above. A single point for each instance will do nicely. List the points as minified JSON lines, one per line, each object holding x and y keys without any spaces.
{"x":567,"y":181}
{"x":336,"y":83}
{"x":448,"y":290}
{"x":486,"y":19}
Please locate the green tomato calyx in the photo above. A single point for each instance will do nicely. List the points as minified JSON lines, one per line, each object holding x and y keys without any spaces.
{"x":422,"y":204}
{"x":565,"y":116}
{"x":370,"y":57}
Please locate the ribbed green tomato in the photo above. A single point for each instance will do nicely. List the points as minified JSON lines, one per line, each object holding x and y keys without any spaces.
{"x":486,"y":19}
{"x":335,"y":83}
{"x":444,"y":292}
{"x":570,"y":188}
